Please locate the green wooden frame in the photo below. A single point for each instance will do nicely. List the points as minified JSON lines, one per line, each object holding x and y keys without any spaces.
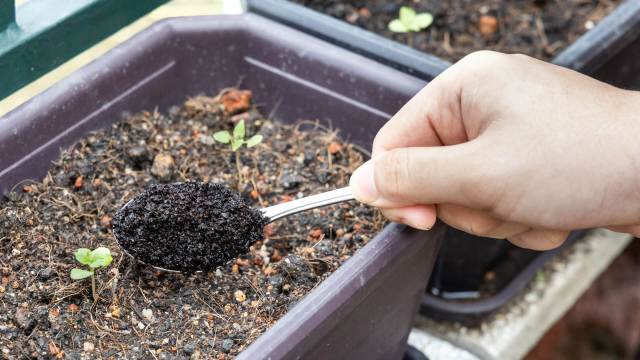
{"x":7,"y":13}
{"x":43,"y":34}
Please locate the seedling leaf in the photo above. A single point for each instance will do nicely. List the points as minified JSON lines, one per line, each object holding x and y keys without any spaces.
{"x":79,"y":274}
{"x":422,"y":21}
{"x":407,"y":15}
{"x":83,"y":255}
{"x":222,"y":136}
{"x":397,"y":26}
{"x":254,"y":140}
{"x":100,"y":257}
{"x":239,"y":131}
{"x":408,"y":21}
{"x":236,"y":144}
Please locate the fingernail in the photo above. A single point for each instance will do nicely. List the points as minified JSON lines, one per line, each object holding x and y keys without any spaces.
{"x":416,"y":220}
{"x":363,"y":183}
{"x":417,"y":227}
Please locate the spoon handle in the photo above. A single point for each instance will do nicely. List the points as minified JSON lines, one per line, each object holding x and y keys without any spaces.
{"x":278,"y":211}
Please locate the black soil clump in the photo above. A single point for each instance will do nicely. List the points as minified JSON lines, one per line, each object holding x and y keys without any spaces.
{"x":187,"y":226}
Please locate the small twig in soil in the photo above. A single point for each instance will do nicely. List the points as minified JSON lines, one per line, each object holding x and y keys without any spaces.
{"x":142,"y":292}
{"x":57,"y":298}
{"x":542,"y":33}
{"x":215,"y":313}
{"x":446,"y":43}
{"x":152,"y":354}
{"x":316,"y":125}
{"x":283,"y":237}
{"x":105,"y":329}
{"x":257,"y":290}
{"x":274,"y":109}
{"x":255,"y":187}
{"x":317,"y":241}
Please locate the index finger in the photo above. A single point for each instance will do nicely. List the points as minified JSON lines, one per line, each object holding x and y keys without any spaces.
{"x":431,"y":118}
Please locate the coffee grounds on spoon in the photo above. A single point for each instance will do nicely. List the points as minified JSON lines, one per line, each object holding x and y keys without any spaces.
{"x":187,"y":226}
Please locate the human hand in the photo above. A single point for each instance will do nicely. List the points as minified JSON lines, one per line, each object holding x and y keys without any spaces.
{"x":507,"y":146}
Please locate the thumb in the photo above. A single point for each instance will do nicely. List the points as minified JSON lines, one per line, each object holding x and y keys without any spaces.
{"x":423,"y":175}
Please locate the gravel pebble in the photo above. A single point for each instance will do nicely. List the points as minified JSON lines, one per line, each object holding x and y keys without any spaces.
{"x":163,"y":167}
{"x":227,"y":344}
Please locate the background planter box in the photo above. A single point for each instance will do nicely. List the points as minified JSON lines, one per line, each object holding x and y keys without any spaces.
{"x":363,"y":310}
{"x":607,"y":52}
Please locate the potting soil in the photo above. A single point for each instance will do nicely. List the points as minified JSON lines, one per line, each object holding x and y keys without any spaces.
{"x":143,"y":313}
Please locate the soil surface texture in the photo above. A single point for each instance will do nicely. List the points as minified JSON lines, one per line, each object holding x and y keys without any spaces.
{"x":187,"y":226}
{"x":539,"y":28}
{"x":143,"y":313}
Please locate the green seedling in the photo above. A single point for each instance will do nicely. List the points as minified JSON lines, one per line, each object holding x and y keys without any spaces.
{"x":236,"y":140}
{"x":93,"y":259}
{"x":408,"y":21}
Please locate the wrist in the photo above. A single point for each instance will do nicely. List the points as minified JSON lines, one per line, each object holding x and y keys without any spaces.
{"x":627,"y":112}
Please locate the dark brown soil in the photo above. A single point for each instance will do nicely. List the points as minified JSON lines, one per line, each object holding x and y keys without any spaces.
{"x":145,"y":313}
{"x":187,"y":226}
{"x":539,"y":28}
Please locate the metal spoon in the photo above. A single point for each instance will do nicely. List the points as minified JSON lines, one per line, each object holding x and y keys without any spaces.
{"x":277,"y":211}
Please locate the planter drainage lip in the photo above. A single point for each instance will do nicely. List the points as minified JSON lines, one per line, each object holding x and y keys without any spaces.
{"x":363,"y":310}
{"x":592,"y":53}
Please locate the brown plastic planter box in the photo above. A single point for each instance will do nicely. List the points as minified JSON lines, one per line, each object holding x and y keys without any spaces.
{"x":362,"y":311}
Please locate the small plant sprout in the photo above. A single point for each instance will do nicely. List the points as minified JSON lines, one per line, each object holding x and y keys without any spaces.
{"x":236,"y":140}
{"x":94,"y":259}
{"x":408,"y":21}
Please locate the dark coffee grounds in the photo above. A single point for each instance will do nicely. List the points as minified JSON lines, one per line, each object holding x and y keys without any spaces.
{"x":187,"y":226}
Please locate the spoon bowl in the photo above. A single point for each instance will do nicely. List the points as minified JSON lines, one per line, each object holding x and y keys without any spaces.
{"x":148,"y":202}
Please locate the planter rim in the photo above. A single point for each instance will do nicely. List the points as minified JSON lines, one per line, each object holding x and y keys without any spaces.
{"x":604,"y":41}
{"x":589,"y":51}
{"x":332,"y":293}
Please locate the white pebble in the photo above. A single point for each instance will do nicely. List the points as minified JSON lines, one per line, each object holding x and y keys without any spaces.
{"x":148,"y":314}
